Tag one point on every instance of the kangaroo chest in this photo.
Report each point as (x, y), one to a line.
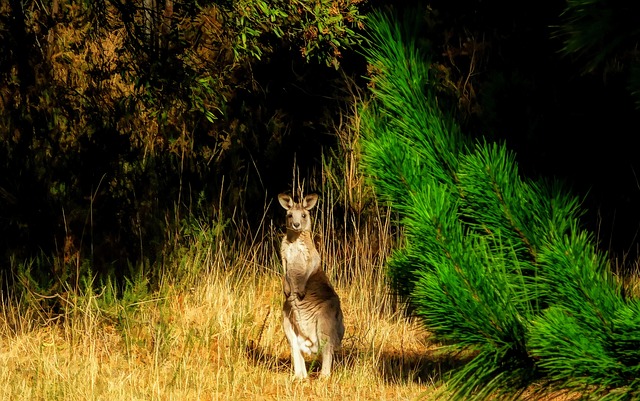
(298, 253)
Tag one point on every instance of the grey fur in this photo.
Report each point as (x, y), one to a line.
(312, 317)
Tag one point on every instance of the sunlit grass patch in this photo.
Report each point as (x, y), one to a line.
(215, 334)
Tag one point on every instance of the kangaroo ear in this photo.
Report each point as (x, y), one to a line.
(285, 201)
(309, 201)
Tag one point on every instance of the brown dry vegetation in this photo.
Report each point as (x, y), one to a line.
(211, 329)
(216, 334)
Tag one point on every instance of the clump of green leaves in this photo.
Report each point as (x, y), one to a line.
(319, 29)
(603, 36)
(115, 113)
(494, 263)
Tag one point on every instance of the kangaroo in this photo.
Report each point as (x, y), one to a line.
(312, 318)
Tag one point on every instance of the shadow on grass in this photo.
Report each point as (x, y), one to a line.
(278, 364)
(429, 366)
(259, 356)
(420, 367)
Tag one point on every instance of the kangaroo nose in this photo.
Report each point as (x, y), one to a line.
(296, 224)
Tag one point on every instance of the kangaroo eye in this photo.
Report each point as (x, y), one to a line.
(304, 215)
(289, 215)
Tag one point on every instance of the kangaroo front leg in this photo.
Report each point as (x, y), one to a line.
(298, 283)
(286, 287)
(314, 265)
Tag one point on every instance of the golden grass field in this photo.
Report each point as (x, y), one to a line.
(215, 334)
(212, 331)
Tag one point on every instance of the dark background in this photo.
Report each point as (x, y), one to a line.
(516, 86)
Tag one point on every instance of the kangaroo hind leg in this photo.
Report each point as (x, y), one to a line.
(299, 365)
(327, 359)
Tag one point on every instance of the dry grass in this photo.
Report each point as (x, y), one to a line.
(212, 331)
(216, 334)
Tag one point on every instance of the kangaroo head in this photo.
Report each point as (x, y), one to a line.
(298, 218)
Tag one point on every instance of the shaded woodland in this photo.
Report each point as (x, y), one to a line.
(126, 126)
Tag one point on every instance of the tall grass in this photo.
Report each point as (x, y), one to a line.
(218, 338)
(209, 326)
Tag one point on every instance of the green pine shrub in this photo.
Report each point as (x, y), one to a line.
(494, 263)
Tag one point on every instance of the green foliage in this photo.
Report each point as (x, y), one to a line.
(493, 263)
(589, 338)
(114, 113)
(590, 351)
(468, 294)
(319, 29)
(601, 33)
(603, 36)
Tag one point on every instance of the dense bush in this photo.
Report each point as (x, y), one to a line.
(494, 263)
(119, 118)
